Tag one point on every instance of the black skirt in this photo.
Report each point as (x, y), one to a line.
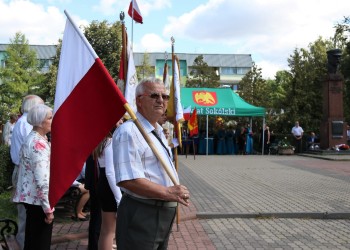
(105, 194)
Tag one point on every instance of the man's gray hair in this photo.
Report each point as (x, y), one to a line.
(30, 101)
(37, 114)
(140, 89)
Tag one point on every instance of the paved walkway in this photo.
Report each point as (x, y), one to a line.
(254, 202)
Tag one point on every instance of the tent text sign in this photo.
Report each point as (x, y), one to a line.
(215, 111)
(221, 102)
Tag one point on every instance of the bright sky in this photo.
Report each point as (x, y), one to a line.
(269, 30)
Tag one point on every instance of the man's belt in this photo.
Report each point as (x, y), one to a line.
(153, 202)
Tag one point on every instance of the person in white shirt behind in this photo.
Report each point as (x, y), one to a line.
(20, 131)
(297, 132)
(8, 128)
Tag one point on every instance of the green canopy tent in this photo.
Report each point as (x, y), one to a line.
(218, 102)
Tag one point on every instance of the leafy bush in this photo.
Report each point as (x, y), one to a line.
(285, 144)
(6, 167)
(7, 207)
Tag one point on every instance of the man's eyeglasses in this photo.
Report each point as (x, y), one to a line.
(156, 96)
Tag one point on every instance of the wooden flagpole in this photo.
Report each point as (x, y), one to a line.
(124, 54)
(175, 122)
(132, 26)
(150, 143)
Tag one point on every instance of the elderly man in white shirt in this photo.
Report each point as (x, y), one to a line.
(297, 132)
(147, 209)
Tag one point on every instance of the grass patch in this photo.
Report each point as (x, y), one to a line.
(8, 209)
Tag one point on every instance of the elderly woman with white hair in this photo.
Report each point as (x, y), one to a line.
(33, 180)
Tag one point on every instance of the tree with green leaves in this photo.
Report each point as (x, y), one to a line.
(276, 94)
(252, 87)
(201, 75)
(303, 88)
(342, 41)
(145, 69)
(106, 40)
(21, 75)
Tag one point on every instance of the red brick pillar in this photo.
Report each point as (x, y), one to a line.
(333, 126)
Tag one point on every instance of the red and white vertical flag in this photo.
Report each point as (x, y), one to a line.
(134, 12)
(187, 113)
(88, 104)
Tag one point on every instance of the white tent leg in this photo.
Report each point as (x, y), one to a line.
(207, 138)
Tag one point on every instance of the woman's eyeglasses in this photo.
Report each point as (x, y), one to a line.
(157, 96)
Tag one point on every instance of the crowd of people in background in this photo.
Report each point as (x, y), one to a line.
(231, 138)
(234, 139)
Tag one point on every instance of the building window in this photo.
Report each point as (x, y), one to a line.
(160, 71)
(234, 71)
(2, 64)
(242, 71)
(228, 71)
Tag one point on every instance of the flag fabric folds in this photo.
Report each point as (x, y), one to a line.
(175, 110)
(131, 82)
(166, 79)
(121, 76)
(193, 123)
(178, 106)
(87, 105)
(134, 12)
(187, 113)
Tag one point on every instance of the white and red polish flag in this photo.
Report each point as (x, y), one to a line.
(134, 12)
(87, 105)
(187, 113)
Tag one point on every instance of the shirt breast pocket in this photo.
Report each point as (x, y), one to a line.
(152, 168)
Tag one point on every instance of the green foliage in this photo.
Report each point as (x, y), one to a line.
(303, 100)
(202, 76)
(145, 69)
(253, 88)
(7, 207)
(342, 35)
(345, 68)
(47, 86)
(20, 77)
(284, 143)
(6, 167)
(297, 94)
(106, 40)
